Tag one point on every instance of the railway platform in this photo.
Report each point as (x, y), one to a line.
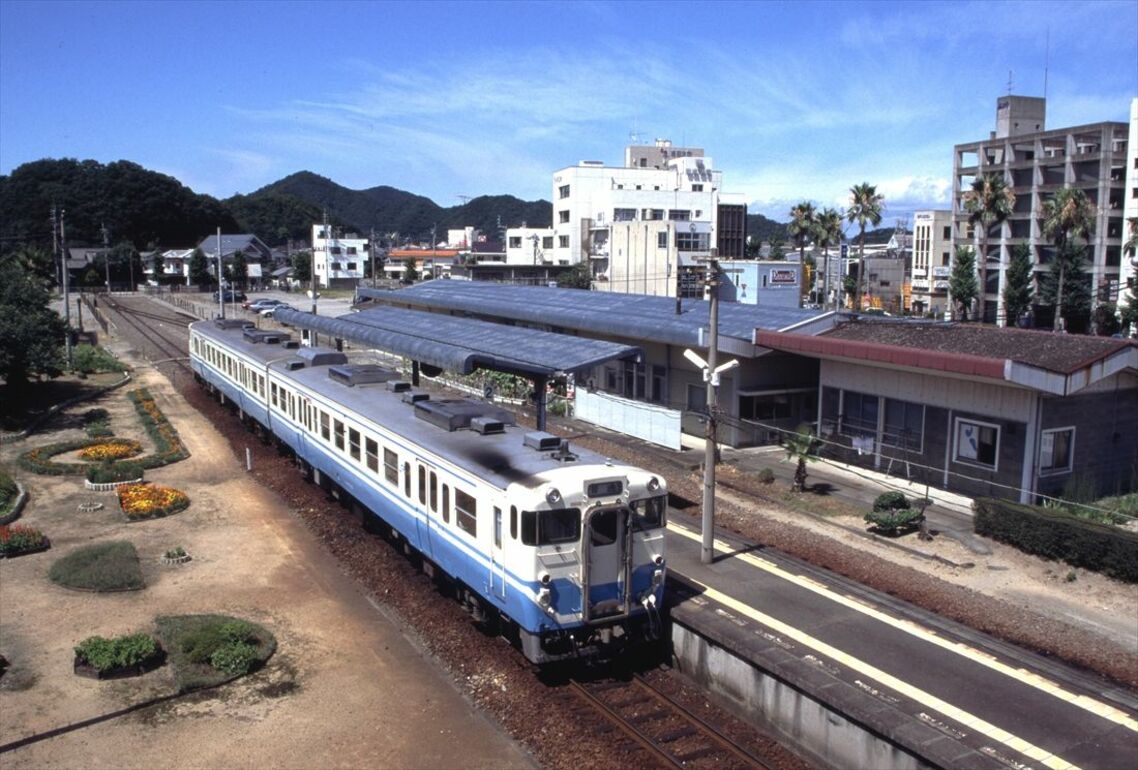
(855, 678)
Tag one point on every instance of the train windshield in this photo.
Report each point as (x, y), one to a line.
(648, 513)
(562, 525)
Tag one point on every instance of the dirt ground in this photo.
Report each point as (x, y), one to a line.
(309, 707)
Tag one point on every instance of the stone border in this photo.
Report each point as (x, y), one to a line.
(108, 486)
(175, 560)
(17, 506)
(90, 507)
(11, 438)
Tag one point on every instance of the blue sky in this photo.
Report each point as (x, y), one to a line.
(792, 100)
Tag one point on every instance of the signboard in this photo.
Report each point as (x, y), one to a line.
(783, 277)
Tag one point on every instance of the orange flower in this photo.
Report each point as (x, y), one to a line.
(115, 449)
(142, 500)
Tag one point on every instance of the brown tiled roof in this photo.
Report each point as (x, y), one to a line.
(1063, 353)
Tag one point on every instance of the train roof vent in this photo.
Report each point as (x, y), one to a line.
(294, 364)
(291, 344)
(360, 374)
(398, 386)
(321, 356)
(265, 336)
(231, 323)
(415, 396)
(487, 425)
(542, 441)
(455, 413)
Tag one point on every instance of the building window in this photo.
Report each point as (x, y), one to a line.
(976, 443)
(335, 265)
(391, 467)
(697, 188)
(515, 241)
(334, 250)
(623, 215)
(351, 250)
(662, 239)
(351, 265)
(947, 234)
(697, 399)
(547, 242)
(679, 215)
(1055, 453)
(563, 241)
(859, 414)
(563, 217)
(563, 191)
(904, 425)
(466, 512)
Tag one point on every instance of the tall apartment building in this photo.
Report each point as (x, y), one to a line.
(1128, 277)
(644, 225)
(338, 261)
(932, 257)
(1036, 162)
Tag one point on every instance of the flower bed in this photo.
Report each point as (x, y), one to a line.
(110, 450)
(123, 656)
(17, 540)
(147, 501)
(168, 444)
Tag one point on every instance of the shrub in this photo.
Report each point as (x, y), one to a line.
(89, 359)
(1057, 534)
(766, 476)
(206, 650)
(105, 473)
(895, 521)
(121, 652)
(18, 538)
(8, 491)
(891, 501)
(176, 553)
(109, 566)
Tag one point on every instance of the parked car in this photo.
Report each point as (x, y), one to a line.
(229, 296)
(257, 305)
(268, 312)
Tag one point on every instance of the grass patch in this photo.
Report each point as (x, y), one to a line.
(112, 566)
(8, 492)
(207, 650)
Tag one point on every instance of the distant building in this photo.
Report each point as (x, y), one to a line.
(1036, 162)
(932, 259)
(257, 254)
(644, 226)
(1128, 275)
(762, 283)
(339, 260)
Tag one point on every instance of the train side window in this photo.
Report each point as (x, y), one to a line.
(434, 492)
(446, 503)
(407, 480)
(466, 512)
(562, 525)
(325, 426)
(391, 467)
(648, 514)
(273, 394)
(513, 522)
(354, 443)
(372, 451)
(422, 485)
(338, 432)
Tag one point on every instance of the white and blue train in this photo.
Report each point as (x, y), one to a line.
(564, 548)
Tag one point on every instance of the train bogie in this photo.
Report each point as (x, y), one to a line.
(563, 549)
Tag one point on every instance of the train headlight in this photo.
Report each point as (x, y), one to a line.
(657, 578)
(545, 578)
(553, 496)
(653, 484)
(545, 598)
(658, 561)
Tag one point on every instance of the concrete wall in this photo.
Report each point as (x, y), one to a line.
(649, 422)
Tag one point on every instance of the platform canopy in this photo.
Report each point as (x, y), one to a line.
(463, 345)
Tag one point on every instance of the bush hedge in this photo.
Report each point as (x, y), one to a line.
(89, 359)
(105, 655)
(105, 473)
(1056, 534)
(891, 501)
(109, 566)
(8, 491)
(206, 650)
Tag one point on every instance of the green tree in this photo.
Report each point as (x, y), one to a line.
(239, 269)
(799, 446)
(829, 234)
(302, 266)
(1066, 286)
(579, 277)
(988, 203)
(1067, 215)
(159, 267)
(1128, 310)
(866, 207)
(410, 274)
(962, 285)
(200, 274)
(31, 334)
(803, 223)
(1018, 284)
(776, 253)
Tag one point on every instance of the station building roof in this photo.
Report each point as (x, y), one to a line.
(631, 316)
(463, 344)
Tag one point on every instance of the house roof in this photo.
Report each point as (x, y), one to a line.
(634, 316)
(231, 244)
(1041, 360)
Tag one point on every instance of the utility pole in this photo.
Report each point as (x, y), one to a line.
(66, 285)
(707, 551)
(371, 254)
(220, 291)
(676, 244)
(107, 256)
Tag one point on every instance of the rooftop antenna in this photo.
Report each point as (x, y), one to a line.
(464, 198)
(1010, 82)
(1046, 61)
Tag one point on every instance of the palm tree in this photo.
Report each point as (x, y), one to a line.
(1067, 215)
(803, 223)
(829, 233)
(866, 206)
(800, 446)
(989, 202)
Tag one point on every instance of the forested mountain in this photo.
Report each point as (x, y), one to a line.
(135, 204)
(762, 229)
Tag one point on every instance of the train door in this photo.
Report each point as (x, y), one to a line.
(497, 562)
(428, 499)
(608, 562)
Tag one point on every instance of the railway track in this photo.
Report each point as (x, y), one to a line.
(163, 344)
(672, 734)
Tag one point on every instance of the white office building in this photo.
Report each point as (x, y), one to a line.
(337, 260)
(932, 261)
(1128, 274)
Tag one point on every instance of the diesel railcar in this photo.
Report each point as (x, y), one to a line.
(561, 546)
